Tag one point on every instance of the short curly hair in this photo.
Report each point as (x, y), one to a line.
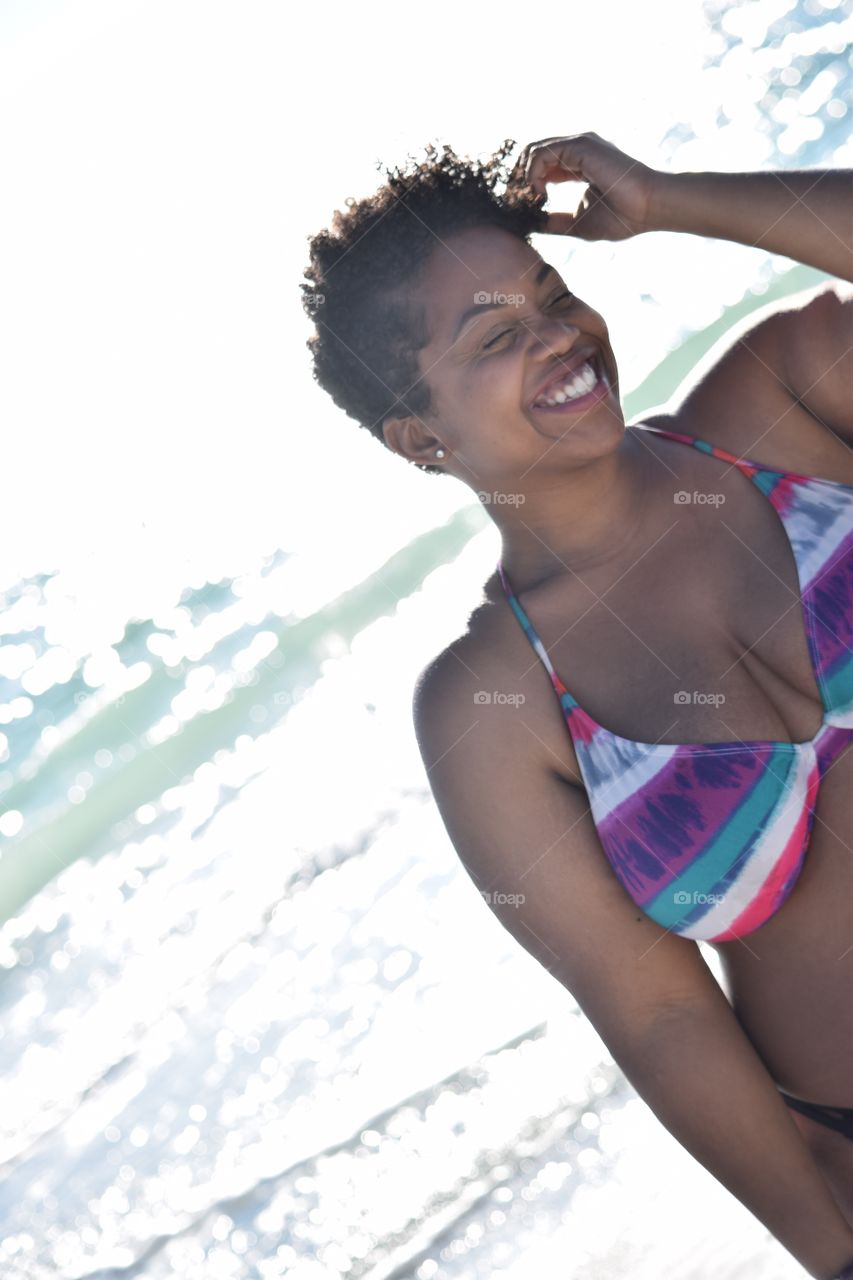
(363, 270)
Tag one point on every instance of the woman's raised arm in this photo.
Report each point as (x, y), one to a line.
(805, 214)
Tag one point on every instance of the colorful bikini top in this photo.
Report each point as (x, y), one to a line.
(709, 838)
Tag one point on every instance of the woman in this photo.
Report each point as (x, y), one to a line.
(703, 626)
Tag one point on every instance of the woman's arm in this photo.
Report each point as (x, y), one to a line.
(703, 1079)
(806, 214)
(527, 840)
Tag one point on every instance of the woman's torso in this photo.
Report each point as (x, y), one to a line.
(717, 610)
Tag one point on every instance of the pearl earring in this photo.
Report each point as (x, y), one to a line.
(439, 453)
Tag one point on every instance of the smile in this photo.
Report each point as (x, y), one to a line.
(581, 388)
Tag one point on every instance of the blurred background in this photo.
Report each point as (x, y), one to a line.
(255, 1020)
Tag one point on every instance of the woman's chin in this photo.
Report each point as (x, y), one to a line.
(598, 420)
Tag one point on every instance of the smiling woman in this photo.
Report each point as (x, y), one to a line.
(364, 275)
(494, 370)
(614, 851)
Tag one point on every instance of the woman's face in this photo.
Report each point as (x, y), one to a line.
(485, 366)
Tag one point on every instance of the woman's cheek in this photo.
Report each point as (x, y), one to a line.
(499, 377)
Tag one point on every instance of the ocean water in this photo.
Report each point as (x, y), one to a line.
(254, 1020)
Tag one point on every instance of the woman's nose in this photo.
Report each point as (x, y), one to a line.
(549, 335)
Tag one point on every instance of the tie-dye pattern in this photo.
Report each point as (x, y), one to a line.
(709, 838)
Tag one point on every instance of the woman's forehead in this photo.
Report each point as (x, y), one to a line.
(469, 257)
(473, 268)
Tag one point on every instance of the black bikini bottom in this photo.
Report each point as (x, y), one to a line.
(838, 1118)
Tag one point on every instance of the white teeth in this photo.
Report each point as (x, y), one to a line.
(581, 382)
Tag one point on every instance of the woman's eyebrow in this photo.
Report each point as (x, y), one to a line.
(480, 308)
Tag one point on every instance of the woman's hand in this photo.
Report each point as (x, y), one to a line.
(617, 202)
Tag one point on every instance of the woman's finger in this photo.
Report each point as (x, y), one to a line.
(619, 188)
(522, 165)
(560, 224)
(544, 142)
(556, 160)
(521, 172)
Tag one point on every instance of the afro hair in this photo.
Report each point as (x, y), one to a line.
(365, 268)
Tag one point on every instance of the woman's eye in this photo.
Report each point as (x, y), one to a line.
(560, 298)
(503, 334)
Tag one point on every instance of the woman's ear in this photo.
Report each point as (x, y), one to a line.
(412, 439)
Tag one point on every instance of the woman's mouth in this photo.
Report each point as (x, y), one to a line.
(581, 389)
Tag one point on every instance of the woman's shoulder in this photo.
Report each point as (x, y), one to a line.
(488, 687)
(737, 398)
(478, 654)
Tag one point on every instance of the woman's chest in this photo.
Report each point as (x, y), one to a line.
(707, 639)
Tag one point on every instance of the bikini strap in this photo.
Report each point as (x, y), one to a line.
(566, 699)
(716, 450)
